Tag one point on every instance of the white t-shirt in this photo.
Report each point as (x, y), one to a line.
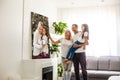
(45, 42)
(78, 37)
(65, 46)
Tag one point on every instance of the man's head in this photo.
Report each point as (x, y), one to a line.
(75, 28)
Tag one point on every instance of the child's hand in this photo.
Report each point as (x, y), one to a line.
(84, 47)
(76, 45)
(44, 54)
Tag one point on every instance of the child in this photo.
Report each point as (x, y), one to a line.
(84, 34)
(44, 39)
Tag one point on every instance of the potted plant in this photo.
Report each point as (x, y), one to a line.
(59, 29)
(54, 49)
(60, 71)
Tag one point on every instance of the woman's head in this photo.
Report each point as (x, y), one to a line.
(85, 28)
(68, 34)
(40, 27)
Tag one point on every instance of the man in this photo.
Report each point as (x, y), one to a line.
(79, 55)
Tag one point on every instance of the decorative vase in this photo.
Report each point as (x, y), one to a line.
(60, 78)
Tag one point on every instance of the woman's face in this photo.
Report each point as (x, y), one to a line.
(67, 34)
(44, 31)
(40, 30)
(83, 28)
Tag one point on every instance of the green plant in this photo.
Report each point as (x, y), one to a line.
(60, 70)
(59, 27)
(54, 48)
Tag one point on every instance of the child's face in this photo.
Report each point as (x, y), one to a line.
(83, 28)
(44, 31)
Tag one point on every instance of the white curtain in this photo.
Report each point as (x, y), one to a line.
(102, 21)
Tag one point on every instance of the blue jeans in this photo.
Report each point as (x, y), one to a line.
(72, 50)
(67, 69)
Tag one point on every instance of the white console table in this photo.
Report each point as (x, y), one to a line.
(32, 68)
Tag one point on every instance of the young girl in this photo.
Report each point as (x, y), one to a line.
(44, 40)
(72, 49)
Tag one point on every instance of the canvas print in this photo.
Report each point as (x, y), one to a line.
(40, 40)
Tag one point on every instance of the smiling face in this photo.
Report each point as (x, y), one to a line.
(40, 29)
(83, 28)
(75, 28)
(67, 34)
(44, 31)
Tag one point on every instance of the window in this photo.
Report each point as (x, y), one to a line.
(102, 23)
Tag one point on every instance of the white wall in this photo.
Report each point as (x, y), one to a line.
(43, 7)
(10, 37)
(11, 32)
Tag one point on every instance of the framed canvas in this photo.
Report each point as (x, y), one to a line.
(40, 40)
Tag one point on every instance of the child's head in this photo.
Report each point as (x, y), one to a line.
(85, 28)
(44, 31)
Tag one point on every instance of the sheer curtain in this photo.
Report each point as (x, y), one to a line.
(102, 25)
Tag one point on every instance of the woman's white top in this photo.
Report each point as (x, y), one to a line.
(45, 42)
(78, 37)
(37, 43)
(65, 46)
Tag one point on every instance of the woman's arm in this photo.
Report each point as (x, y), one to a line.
(55, 42)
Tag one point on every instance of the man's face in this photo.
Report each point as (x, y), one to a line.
(74, 29)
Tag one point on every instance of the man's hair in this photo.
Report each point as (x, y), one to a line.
(75, 25)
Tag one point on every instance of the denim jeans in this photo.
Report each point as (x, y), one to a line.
(67, 69)
(72, 50)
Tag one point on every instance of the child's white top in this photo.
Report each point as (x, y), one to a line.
(78, 37)
(45, 42)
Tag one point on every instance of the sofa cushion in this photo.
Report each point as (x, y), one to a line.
(92, 63)
(103, 63)
(115, 63)
(102, 74)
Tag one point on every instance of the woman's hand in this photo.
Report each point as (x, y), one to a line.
(76, 45)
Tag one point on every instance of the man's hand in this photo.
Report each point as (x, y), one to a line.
(76, 45)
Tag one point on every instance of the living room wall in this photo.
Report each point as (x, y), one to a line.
(44, 7)
(14, 37)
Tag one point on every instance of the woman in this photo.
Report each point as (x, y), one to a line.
(79, 55)
(65, 45)
(37, 44)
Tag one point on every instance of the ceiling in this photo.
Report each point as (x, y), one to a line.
(84, 3)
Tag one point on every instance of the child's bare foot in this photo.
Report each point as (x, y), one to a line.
(65, 60)
(68, 62)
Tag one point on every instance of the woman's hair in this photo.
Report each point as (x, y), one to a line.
(40, 24)
(86, 30)
(69, 33)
